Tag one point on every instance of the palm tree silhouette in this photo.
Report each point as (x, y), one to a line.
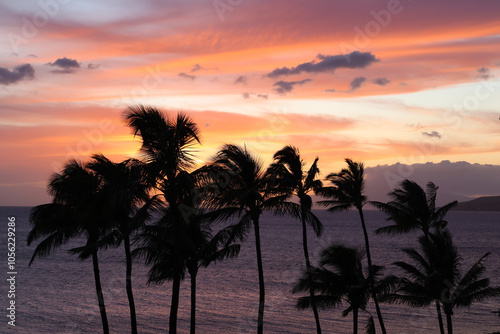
(412, 208)
(171, 249)
(345, 281)
(435, 277)
(289, 176)
(207, 249)
(167, 150)
(346, 193)
(244, 194)
(76, 209)
(125, 190)
(163, 248)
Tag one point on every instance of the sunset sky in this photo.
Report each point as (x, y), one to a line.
(376, 81)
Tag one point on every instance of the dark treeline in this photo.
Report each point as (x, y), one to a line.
(164, 212)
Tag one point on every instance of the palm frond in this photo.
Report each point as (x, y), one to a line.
(321, 301)
(314, 222)
(474, 272)
(46, 246)
(370, 326)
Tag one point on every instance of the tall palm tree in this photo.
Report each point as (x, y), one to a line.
(289, 176)
(167, 148)
(346, 192)
(245, 195)
(412, 208)
(340, 278)
(125, 191)
(76, 209)
(435, 277)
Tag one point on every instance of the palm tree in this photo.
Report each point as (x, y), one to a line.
(125, 190)
(345, 281)
(167, 149)
(170, 249)
(76, 209)
(435, 277)
(289, 176)
(244, 195)
(207, 249)
(412, 208)
(346, 192)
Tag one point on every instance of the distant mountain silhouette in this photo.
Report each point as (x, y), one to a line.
(486, 203)
(459, 181)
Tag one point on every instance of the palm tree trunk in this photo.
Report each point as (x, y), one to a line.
(100, 297)
(193, 301)
(174, 306)
(355, 321)
(369, 258)
(262, 292)
(128, 283)
(308, 267)
(440, 317)
(448, 323)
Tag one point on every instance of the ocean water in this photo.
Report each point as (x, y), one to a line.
(56, 294)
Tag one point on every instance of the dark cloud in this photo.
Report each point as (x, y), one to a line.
(196, 67)
(283, 87)
(330, 90)
(247, 95)
(187, 76)
(432, 134)
(91, 66)
(484, 73)
(356, 83)
(381, 81)
(242, 79)
(65, 65)
(354, 59)
(32, 55)
(21, 72)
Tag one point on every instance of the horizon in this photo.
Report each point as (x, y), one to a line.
(380, 82)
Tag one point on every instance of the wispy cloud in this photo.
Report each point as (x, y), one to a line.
(356, 83)
(21, 72)
(432, 134)
(322, 63)
(283, 87)
(483, 73)
(91, 66)
(242, 79)
(196, 67)
(247, 95)
(381, 81)
(187, 76)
